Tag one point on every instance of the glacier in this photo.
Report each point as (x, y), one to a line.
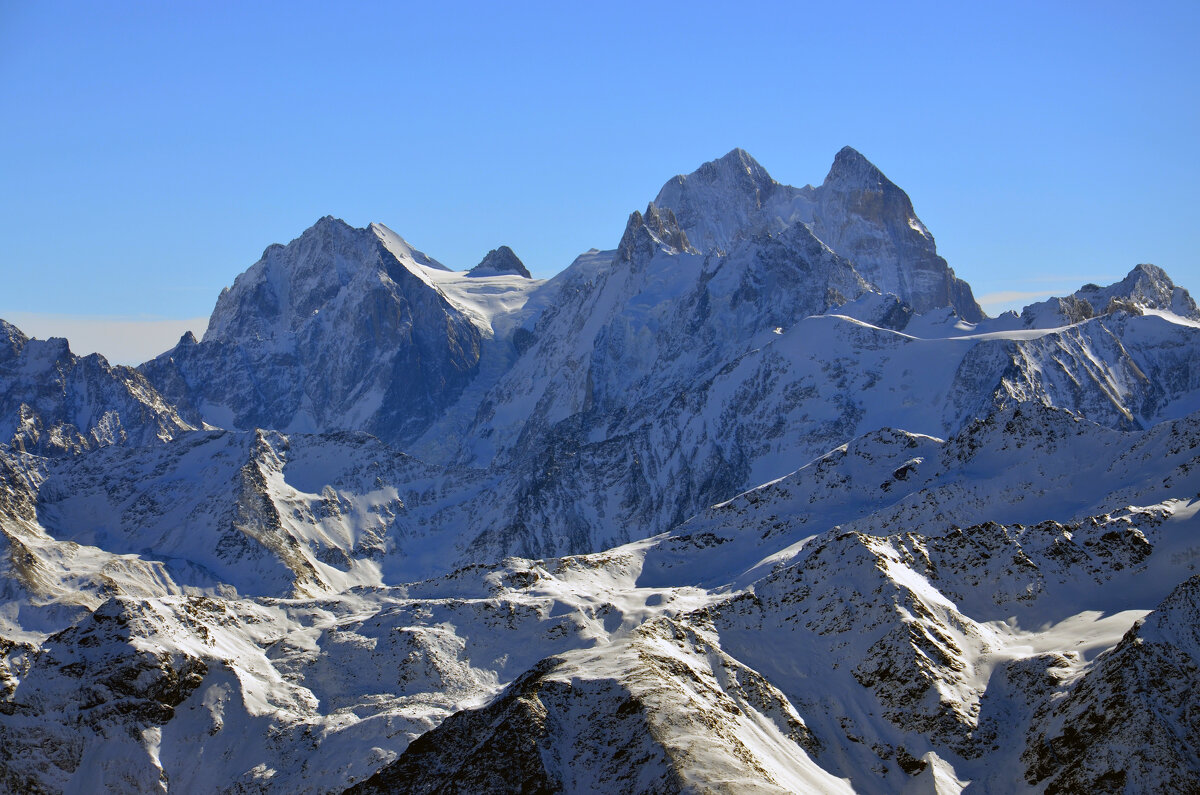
(757, 500)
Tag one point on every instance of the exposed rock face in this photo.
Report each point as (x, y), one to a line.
(646, 234)
(1131, 723)
(862, 215)
(334, 330)
(499, 261)
(780, 532)
(53, 402)
(857, 212)
(725, 199)
(1145, 287)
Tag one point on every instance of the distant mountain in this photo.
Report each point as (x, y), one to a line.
(857, 212)
(277, 351)
(755, 501)
(53, 402)
(663, 379)
(500, 261)
(1146, 287)
(342, 328)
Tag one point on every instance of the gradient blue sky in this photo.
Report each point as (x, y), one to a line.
(150, 151)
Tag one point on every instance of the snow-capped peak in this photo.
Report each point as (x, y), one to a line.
(500, 261)
(1146, 287)
(720, 201)
(402, 250)
(851, 168)
(857, 212)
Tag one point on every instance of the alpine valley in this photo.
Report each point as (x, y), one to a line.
(758, 500)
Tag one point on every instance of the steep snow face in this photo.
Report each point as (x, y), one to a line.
(656, 391)
(857, 212)
(1145, 288)
(658, 313)
(342, 328)
(683, 316)
(53, 402)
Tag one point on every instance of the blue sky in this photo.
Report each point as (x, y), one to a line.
(150, 151)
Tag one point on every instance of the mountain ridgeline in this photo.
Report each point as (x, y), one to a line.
(344, 329)
(757, 500)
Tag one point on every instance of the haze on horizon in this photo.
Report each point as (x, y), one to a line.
(153, 152)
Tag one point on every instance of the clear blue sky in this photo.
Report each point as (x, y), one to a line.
(150, 151)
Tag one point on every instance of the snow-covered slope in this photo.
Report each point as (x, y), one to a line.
(53, 402)
(755, 501)
(857, 212)
(1130, 721)
(342, 328)
(900, 607)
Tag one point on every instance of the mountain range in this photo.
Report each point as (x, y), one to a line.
(757, 500)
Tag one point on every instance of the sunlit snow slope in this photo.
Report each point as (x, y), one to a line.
(755, 501)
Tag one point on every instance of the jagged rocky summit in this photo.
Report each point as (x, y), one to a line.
(857, 212)
(1145, 287)
(275, 353)
(756, 501)
(342, 328)
(53, 402)
(500, 261)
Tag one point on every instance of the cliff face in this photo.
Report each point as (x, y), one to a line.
(334, 330)
(705, 512)
(857, 212)
(53, 402)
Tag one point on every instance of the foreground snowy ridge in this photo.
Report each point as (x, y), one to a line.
(756, 501)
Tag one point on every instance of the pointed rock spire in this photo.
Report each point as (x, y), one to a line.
(500, 262)
(864, 216)
(851, 168)
(720, 201)
(655, 229)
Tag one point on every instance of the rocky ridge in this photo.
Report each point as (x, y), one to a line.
(604, 564)
(500, 261)
(334, 330)
(53, 402)
(1145, 287)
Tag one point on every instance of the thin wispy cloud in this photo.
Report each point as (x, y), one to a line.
(1078, 281)
(1004, 300)
(999, 301)
(122, 339)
